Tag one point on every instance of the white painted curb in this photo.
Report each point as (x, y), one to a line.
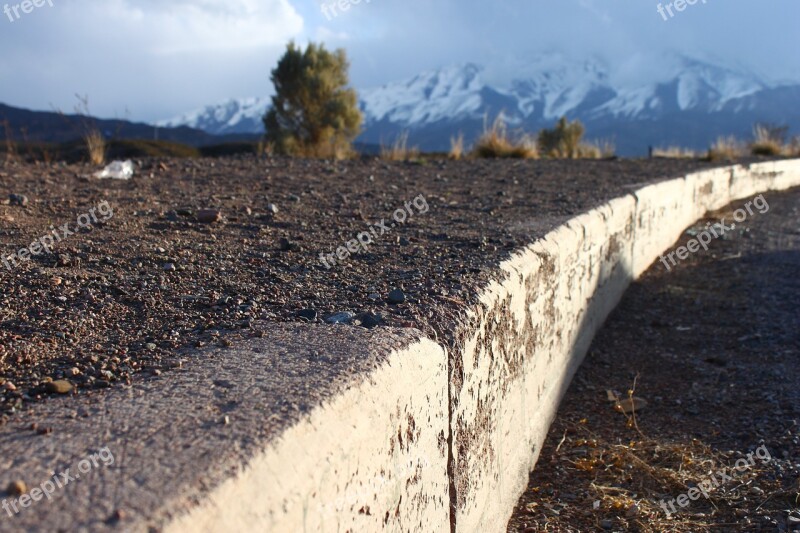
(520, 347)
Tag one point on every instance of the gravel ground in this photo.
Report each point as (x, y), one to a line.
(150, 275)
(713, 347)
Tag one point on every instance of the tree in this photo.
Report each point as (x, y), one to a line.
(313, 112)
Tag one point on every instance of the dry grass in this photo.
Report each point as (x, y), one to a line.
(11, 146)
(457, 147)
(630, 480)
(95, 146)
(600, 149)
(794, 147)
(726, 149)
(495, 142)
(676, 152)
(399, 150)
(768, 140)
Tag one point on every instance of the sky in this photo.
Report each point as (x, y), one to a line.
(146, 60)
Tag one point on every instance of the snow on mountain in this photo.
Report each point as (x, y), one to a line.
(427, 97)
(231, 116)
(436, 104)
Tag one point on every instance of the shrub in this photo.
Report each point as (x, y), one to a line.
(726, 149)
(496, 143)
(313, 112)
(399, 150)
(563, 141)
(768, 139)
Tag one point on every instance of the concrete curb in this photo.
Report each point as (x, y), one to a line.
(518, 350)
(340, 429)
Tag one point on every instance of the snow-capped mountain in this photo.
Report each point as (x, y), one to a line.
(691, 104)
(232, 116)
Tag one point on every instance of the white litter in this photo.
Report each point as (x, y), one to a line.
(118, 170)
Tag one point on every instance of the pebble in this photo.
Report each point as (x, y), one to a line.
(18, 199)
(340, 318)
(169, 267)
(286, 245)
(308, 314)
(150, 346)
(60, 386)
(294, 198)
(397, 297)
(209, 216)
(370, 320)
(9, 386)
(17, 488)
(272, 208)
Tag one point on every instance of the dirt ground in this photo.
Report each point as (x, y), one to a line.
(713, 347)
(138, 279)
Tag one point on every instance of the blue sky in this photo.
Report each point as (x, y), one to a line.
(152, 59)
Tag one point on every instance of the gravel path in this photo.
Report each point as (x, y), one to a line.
(713, 347)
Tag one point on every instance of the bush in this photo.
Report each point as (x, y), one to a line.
(563, 141)
(313, 112)
(768, 139)
(496, 143)
(726, 149)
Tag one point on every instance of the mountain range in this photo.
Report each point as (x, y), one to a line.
(694, 102)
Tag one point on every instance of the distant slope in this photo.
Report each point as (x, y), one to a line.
(45, 126)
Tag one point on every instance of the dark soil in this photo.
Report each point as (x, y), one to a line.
(714, 348)
(136, 293)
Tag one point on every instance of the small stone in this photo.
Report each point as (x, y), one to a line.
(340, 318)
(18, 199)
(607, 524)
(630, 405)
(293, 198)
(374, 296)
(397, 297)
(56, 281)
(370, 320)
(17, 488)
(209, 216)
(286, 245)
(9, 386)
(272, 209)
(150, 346)
(169, 267)
(60, 386)
(308, 314)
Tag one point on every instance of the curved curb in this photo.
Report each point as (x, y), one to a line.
(341, 429)
(519, 348)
